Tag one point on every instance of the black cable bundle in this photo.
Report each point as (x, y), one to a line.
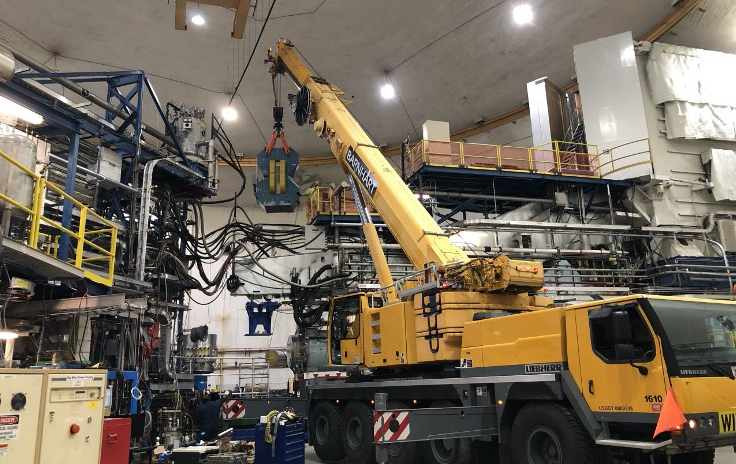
(301, 296)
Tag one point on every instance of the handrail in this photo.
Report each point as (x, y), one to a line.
(320, 204)
(613, 159)
(549, 158)
(37, 217)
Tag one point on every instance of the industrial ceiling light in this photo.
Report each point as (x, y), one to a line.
(229, 113)
(523, 14)
(21, 112)
(387, 91)
(198, 19)
(8, 335)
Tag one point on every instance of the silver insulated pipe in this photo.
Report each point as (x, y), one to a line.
(7, 65)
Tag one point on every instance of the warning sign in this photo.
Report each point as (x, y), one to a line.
(233, 409)
(9, 427)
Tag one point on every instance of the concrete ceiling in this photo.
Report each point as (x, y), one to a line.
(452, 61)
(711, 26)
(449, 60)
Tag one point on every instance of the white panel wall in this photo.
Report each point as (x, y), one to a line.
(613, 108)
(678, 196)
(226, 316)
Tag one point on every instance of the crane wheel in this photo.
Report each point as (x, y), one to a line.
(549, 433)
(403, 453)
(356, 433)
(450, 451)
(324, 431)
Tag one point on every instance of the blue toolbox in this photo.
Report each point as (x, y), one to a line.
(288, 446)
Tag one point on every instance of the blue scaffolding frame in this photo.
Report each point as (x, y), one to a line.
(125, 135)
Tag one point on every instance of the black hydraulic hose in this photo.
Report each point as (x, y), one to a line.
(304, 318)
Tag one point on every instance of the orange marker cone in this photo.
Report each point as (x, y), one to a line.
(671, 416)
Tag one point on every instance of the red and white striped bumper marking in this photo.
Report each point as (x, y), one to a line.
(232, 409)
(391, 426)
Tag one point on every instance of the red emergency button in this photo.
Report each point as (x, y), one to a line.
(74, 429)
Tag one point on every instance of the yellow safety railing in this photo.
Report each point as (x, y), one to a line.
(626, 156)
(326, 201)
(95, 253)
(319, 202)
(50, 244)
(551, 158)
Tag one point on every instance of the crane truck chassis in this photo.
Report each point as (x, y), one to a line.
(559, 385)
(465, 361)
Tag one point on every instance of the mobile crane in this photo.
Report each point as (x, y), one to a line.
(463, 362)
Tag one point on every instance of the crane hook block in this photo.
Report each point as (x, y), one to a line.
(275, 188)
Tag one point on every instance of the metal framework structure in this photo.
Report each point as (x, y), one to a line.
(76, 129)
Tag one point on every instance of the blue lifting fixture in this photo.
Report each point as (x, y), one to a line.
(260, 314)
(274, 184)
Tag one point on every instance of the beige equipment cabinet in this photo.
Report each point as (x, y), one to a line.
(51, 415)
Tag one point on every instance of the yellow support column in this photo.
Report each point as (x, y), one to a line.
(80, 238)
(113, 248)
(37, 212)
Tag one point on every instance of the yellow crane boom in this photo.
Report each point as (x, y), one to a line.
(420, 237)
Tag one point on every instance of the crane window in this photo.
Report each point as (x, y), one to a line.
(345, 323)
(604, 337)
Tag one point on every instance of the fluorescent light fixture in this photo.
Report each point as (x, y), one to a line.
(198, 19)
(229, 114)
(7, 335)
(20, 112)
(523, 14)
(388, 92)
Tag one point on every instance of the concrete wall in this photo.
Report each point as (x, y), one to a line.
(514, 134)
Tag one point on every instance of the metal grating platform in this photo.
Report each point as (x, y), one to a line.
(38, 262)
(331, 219)
(503, 182)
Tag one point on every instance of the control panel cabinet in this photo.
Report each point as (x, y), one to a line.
(51, 415)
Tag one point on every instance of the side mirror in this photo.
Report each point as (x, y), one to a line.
(624, 351)
(621, 322)
(627, 352)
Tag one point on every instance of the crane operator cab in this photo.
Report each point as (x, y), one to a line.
(345, 329)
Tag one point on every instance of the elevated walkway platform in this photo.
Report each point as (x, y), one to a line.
(37, 264)
(328, 205)
(470, 166)
(470, 177)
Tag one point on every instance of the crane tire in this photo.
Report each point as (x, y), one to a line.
(550, 432)
(450, 451)
(356, 433)
(324, 431)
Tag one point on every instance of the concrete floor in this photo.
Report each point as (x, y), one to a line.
(723, 456)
